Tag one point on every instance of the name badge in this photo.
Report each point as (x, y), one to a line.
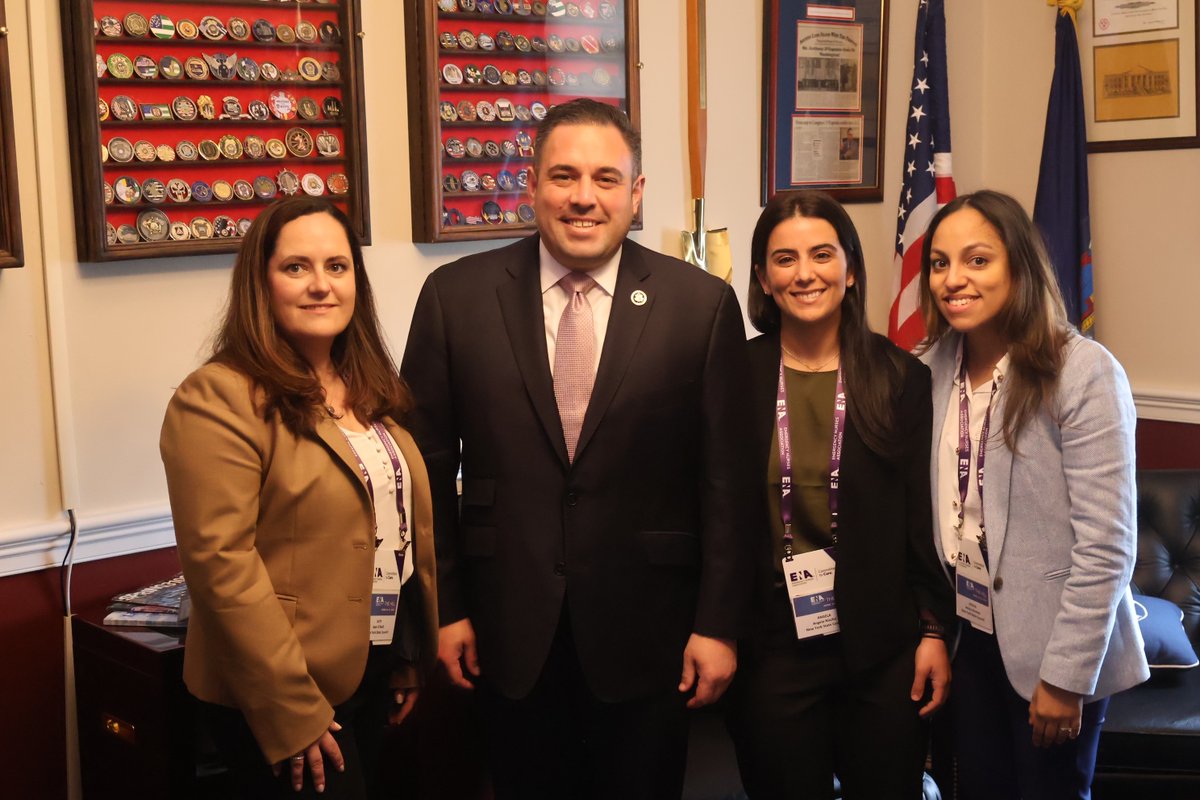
(973, 586)
(385, 594)
(809, 578)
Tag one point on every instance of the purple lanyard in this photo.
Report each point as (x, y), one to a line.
(964, 453)
(382, 433)
(785, 457)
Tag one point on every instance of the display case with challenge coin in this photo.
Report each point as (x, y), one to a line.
(494, 69)
(191, 116)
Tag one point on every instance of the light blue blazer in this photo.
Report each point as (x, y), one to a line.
(1061, 526)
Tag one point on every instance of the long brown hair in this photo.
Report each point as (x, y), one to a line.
(1033, 320)
(250, 341)
(871, 373)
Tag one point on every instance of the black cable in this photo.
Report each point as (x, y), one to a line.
(63, 578)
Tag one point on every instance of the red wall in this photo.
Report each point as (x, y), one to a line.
(31, 643)
(32, 697)
(1167, 445)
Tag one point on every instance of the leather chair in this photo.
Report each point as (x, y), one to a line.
(1150, 744)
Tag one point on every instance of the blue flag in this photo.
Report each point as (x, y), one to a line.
(1061, 208)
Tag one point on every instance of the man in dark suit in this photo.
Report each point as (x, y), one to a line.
(595, 577)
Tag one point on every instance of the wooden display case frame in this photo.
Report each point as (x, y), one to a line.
(81, 43)
(433, 201)
(12, 253)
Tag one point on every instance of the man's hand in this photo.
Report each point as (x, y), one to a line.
(1054, 714)
(708, 664)
(932, 665)
(456, 649)
(403, 701)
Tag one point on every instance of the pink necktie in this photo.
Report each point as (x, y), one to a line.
(574, 358)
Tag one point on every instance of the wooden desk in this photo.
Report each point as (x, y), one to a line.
(136, 731)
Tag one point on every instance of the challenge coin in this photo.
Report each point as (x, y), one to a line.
(312, 184)
(170, 68)
(127, 234)
(165, 152)
(212, 28)
(276, 148)
(328, 145)
(201, 227)
(255, 147)
(110, 26)
(127, 189)
(186, 150)
(136, 25)
(144, 151)
(178, 190)
(309, 68)
(259, 111)
(153, 225)
(145, 67)
(162, 26)
(120, 66)
(120, 149)
(306, 31)
(263, 30)
(450, 73)
(239, 29)
(187, 29)
(265, 188)
(288, 182)
(201, 192)
(180, 232)
(299, 142)
(153, 191)
(283, 104)
(222, 190)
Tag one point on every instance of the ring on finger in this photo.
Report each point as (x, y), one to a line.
(296, 759)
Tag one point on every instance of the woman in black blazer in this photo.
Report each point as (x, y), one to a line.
(850, 651)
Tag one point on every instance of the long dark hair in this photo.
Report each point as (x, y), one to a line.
(1033, 320)
(870, 365)
(249, 339)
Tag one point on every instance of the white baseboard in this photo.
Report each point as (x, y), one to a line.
(43, 545)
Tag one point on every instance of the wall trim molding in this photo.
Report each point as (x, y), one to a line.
(42, 545)
(1167, 406)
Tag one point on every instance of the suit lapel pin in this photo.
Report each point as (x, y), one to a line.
(638, 297)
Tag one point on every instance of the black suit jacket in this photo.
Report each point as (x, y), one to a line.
(644, 535)
(887, 568)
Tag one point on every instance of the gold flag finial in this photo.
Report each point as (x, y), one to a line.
(1067, 7)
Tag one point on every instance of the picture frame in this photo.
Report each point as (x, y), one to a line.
(482, 74)
(824, 104)
(188, 117)
(12, 252)
(1141, 76)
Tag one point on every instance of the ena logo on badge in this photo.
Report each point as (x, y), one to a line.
(800, 575)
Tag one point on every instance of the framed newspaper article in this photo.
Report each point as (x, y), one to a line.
(824, 69)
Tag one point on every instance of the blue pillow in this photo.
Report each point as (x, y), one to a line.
(1167, 645)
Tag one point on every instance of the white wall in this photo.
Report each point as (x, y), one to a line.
(124, 334)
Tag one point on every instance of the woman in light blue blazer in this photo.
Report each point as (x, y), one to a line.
(1037, 528)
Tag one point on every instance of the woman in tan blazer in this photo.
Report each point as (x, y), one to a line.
(302, 517)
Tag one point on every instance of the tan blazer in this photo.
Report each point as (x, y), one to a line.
(275, 534)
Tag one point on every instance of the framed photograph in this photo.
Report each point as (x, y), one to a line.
(189, 118)
(823, 106)
(1140, 75)
(482, 75)
(11, 252)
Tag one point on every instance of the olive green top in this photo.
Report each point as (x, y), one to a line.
(810, 398)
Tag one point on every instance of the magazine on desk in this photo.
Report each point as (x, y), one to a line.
(163, 604)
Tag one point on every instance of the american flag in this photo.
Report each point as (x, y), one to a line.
(928, 180)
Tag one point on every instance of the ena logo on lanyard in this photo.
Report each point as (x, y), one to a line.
(810, 576)
(973, 596)
(388, 572)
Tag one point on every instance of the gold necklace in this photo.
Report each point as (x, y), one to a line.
(808, 366)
